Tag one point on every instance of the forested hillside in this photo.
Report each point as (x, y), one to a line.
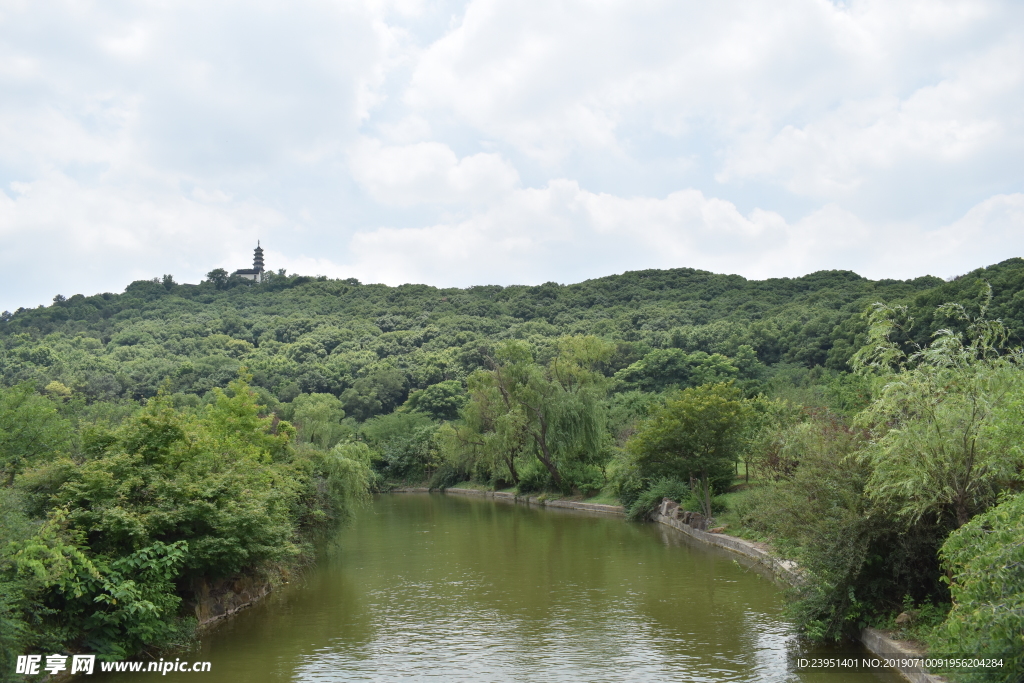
(372, 344)
(175, 433)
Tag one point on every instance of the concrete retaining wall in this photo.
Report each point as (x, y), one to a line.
(782, 569)
(887, 648)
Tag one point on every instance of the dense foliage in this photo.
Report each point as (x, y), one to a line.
(134, 460)
(371, 345)
(867, 509)
(102, 540)
(985, 557)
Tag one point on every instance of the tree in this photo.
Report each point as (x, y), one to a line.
(441, 401)
(318, 418)
(696, 436)
(31, 430)
(222, 480)
(665, 368)
(218, 277)
(490, 432)
(554, 411)
(404, 443)
(945, 423)
(766, 445)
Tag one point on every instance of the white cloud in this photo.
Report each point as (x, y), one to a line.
(965, 116)
(804, 94)
(58, 234)
(990, 232)
(567, 234)
(429, 173)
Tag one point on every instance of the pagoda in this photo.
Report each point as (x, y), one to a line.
(256, 272)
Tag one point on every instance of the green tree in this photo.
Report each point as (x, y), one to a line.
(318, 418)
(555, 411)
(984, 560)
(441, 401)
(218, 277)
(944, 422)
(490, 432)
(115, 607)
(404, 443)
(696, 436)
(31, 430)
(221, 480)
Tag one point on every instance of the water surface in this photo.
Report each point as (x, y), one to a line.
(433, 587)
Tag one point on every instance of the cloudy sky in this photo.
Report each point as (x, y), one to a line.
(505, 141)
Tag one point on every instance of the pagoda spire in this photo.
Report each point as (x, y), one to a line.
(257, 259)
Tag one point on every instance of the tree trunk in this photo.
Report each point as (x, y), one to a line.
(545, 454)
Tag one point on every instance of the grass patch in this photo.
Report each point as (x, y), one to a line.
(471, 485)
(735, 502)
(603, 498)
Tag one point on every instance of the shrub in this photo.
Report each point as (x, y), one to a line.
(535, 477)
(649, 500)
(984, 558)
(446, 476)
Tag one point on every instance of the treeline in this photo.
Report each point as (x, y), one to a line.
(135, 460)
(371, 344)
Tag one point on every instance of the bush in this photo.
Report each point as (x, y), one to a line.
(535, 477)
(446, 476)
(698, 434)
(649, 500)
(587, 479)
(984, 558)
(406, 443)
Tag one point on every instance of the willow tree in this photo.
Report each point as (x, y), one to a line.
(946, 418)
(520, 409)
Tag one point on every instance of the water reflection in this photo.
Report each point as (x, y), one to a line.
(456, 589)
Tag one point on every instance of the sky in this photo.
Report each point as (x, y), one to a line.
(459, 143)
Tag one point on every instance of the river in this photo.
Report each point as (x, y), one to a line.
(451, 588)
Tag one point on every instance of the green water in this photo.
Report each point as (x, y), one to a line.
(449, 588)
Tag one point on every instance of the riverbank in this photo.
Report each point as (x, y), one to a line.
(787, 571)
(540, 501)
(782, 570)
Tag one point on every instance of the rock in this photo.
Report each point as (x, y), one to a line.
(669, 507)
(218, 598)
(697, 521)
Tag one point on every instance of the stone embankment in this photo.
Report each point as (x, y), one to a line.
(692, 524)
(217, 599)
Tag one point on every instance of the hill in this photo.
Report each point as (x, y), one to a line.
(298, 334)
